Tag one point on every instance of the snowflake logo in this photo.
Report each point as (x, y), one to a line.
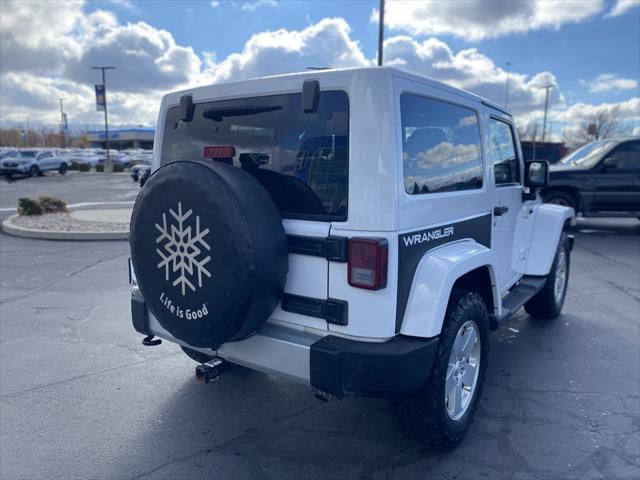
(181, 250)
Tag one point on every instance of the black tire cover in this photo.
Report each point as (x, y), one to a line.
(209, 251)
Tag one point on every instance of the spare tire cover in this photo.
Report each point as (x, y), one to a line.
(209, 251)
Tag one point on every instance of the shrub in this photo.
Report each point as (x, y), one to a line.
(99, 167)
(52, 204)
(29, 206)
(84, 167)
(118, 167)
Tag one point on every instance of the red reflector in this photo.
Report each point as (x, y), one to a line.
(225, 151)
(368, 260)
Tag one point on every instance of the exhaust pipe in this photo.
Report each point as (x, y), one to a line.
(210, 371)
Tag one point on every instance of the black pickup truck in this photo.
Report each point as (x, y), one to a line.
(602, 178)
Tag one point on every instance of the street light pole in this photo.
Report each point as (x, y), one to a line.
(506, 95)
(62, 137)
(546, 108)
(107, 164)
(380, 32)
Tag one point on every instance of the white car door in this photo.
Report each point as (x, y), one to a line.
(512, 220)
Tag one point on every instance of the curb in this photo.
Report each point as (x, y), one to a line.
(10, 228)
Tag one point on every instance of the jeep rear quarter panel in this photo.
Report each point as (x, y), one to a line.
(462, 217)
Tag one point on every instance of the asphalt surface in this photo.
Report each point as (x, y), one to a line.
(80, 397)
(74, 188)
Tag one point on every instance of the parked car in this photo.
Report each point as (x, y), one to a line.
(33, 162)
(7, 152)
(602, 178)
(144, 176)
(137, 171)
(374, 263)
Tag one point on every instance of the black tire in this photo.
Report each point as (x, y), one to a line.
(422, 415)
(63, 169)
(34, 171)
(545, 304)
(209, 251)
(196, 356)
(561, 197)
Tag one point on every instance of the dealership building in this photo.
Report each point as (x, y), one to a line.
(121, 139)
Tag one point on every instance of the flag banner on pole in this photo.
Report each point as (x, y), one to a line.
(100, 100)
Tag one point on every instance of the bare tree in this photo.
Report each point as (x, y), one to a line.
(530, 133)
(598, 126)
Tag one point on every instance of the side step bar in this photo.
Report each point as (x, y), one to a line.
(517, 297)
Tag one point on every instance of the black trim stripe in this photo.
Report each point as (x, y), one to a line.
(412, 246)
(335, 249)
(332, 310)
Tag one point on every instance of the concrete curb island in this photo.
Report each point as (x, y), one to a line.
(10, 227)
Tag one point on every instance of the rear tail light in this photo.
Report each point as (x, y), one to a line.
(368, 261)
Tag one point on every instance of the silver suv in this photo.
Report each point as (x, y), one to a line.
(33, 162)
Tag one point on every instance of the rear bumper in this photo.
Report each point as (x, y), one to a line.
(342, 367)
(333, 366)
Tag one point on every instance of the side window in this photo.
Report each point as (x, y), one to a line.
(440, 146)
(626, 157)
(503, 153)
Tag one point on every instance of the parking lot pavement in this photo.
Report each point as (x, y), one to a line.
(80, 397)
(73, 188)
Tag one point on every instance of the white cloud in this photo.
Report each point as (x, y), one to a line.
(52, 60)
(252, 6)
(215, 3)
(478, 19)
(608, 82)
(325, 44)
(622, 6)
(63, 40)
(626, 114)
(470, 70)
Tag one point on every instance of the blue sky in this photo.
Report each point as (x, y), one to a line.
(574, 52)
(589, 49)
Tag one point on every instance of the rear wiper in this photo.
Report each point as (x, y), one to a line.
(217, 114)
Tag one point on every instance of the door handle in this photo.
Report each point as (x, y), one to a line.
(501, 210)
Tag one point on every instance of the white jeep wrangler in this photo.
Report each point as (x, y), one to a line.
(358, 230)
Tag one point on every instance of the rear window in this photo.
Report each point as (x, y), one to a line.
(300, 158)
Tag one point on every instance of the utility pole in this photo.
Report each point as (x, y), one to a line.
(546, 108)
(107, 164)
(380, 32)
(506, 95)
(62, 137)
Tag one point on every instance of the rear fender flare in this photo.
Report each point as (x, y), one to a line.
(548, 223)
(433, 281)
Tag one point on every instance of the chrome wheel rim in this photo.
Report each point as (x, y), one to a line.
(462, 370)
(561, 276)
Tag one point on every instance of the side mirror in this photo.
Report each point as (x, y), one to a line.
(536, 174)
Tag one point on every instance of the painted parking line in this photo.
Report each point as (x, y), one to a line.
(82, 204)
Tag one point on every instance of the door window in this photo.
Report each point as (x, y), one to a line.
(503, 153)
(626, 158)
(440, 146)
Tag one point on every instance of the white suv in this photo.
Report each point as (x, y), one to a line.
(358, 230)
